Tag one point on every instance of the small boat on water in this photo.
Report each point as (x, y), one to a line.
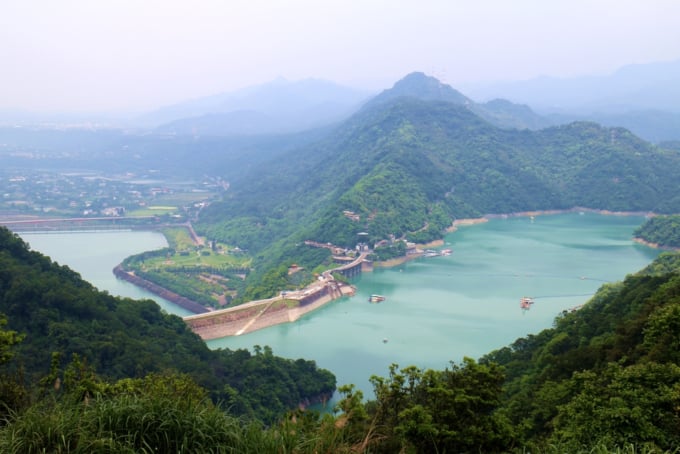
(525, 303)
(433, 253)
(376, 298)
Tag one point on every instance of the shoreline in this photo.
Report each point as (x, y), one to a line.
(157, 290)
(227, 322)
(463, 222)
(406, 258)
(654, 245)
(569, 210)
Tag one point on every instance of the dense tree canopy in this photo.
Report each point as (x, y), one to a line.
(408, 167)
(604, 377)
(54, 310)
(607, 373)
(661, 230)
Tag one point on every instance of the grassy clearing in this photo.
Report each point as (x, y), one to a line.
(178, 238)
(153, 211)
(188, 254)
(202, 257)
(182, 198)
(207, 274)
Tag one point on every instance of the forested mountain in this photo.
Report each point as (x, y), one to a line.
(642, 98)
(653, 125)
(506, 114)
(407, 167)
(664, 231)
(499, 112)
(608, 372)
(55, 311)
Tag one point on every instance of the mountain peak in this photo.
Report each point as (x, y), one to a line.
(418, 79)
(421, 86)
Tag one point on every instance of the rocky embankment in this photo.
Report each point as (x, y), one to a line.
(181, 301)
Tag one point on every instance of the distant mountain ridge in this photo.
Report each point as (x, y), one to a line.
(651, 86)
(644, 98)
(281, 107)
(277, 107)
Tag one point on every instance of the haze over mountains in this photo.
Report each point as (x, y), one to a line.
(275, 107)
(642, 98)
(632, 87)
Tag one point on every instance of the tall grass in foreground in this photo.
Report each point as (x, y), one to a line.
(146, 424)
(125, 423)
(142, 424)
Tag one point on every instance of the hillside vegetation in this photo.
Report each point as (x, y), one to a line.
(57, 313)
(663, 231)
(604, 378)
(608, 372)
(415, 159)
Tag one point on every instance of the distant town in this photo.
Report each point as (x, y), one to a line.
(30, 194)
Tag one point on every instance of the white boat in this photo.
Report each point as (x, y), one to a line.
(525, 302)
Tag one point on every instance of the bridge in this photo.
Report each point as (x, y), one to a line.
(351, 267)
(354, 267)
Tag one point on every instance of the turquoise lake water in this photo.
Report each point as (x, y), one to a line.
(94, 254)
(437, 309)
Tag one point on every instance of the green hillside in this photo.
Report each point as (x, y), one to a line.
(607, 373)
(604, 378)
(661, 230)
(408, 167)
(55, 311)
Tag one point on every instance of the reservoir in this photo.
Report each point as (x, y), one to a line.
(94, 254)
(437, 309)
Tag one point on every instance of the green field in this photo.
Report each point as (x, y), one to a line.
(181, 199)
(187, 254)
(209, 274)
(178, 238)
(153, 211)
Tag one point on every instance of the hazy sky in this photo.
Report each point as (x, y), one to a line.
(78, 55)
